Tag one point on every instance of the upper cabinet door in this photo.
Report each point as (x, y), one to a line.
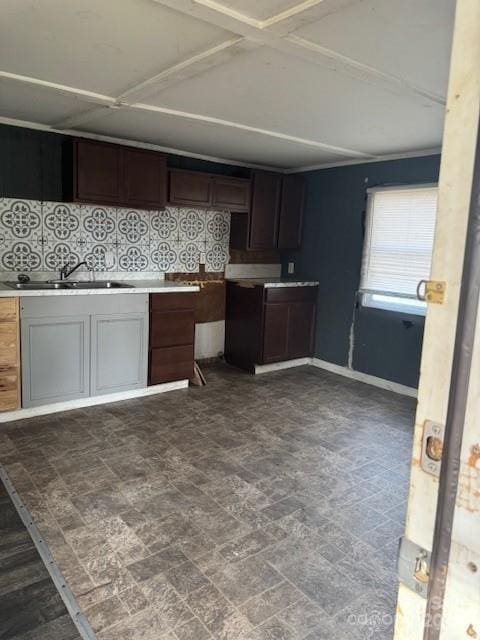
(291, 212)
(190, 187)
(264, 211)
(231, 193)
(97, 176)
(145, 178)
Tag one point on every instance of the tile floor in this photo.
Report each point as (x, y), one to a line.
(30, 606)
(260, 508)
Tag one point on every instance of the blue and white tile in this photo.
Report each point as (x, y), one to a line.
(133, 226)
(189, 254)
(20, 255)
(57, 254)
(133, 257)
(164, 225)
(99, 224)
(218, 227)
(21, 219)
(164, 256)
(191, 225)
(61, 222)
(216, 256)
(100, 257)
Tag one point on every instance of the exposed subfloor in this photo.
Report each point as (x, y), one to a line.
(30, 606)
(261, 508)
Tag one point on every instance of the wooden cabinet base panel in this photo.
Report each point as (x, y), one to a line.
(9, 355)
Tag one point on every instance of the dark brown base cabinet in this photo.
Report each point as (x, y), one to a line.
(172, 337)
(266, 325)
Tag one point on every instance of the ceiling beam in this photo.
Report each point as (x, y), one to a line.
(277, 32)
(187, 68)
(107, 105)
(352, 153)
(86, 96)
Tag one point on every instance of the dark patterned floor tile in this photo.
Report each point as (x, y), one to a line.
(273, 629)
(157, 563)
(246, 578)
(271, 602)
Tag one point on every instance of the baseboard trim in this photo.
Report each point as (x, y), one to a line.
(57, 407)
(278, 366)
(381, 383)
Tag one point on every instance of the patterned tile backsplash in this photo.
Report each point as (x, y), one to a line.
(43, 236)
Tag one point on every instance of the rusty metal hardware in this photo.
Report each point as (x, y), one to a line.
(432, 447)
(434, 291)
(414, 566)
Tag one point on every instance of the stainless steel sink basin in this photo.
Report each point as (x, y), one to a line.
(105, 284)
(35, 286)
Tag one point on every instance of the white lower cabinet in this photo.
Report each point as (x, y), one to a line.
(75, 347)
(118, 352)
(55, 359)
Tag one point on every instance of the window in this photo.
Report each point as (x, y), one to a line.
(398, 246)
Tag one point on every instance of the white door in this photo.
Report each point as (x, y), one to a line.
(461, 610)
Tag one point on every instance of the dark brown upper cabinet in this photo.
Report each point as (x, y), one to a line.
(232, 194)
(291, 212)
(264, 211)
(275, 215)
(145, 178)
(97, 176)
(190, 187)
(200, 189)
(114, 175)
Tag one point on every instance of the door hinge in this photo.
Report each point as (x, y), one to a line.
(432, 447)
(433, 291)
(414, 566)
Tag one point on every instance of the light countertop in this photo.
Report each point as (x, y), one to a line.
(270, 283)
(137, 286)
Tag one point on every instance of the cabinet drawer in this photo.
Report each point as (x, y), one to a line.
(172, 301)
(170, 363)
(8, 343)
(291, 294)
(171, 328)
(8, 309)
(9, 397)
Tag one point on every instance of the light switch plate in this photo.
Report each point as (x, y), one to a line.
(291, 267)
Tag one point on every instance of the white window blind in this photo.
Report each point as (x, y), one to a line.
(398, 242)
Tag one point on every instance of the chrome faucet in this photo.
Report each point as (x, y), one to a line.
(66, 272)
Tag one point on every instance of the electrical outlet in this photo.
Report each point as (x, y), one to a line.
(203, 257)
(109, 259)
(291, 267)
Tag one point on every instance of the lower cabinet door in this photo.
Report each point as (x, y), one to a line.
(275, 332)
(301, 323)
(55, 359)
(119, 348)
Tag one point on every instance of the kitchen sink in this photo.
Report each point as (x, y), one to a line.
(35, 286)
(105, 284)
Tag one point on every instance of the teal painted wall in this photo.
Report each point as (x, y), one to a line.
(386, 344)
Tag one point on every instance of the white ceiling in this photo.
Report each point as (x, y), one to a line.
(281, 83)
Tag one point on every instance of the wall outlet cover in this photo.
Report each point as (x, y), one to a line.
(291, 267)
